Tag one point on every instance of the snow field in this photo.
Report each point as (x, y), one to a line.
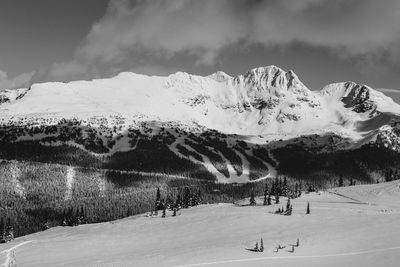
(340, 231)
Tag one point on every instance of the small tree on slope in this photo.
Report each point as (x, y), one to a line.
(265, 194)
(163, 213)
(277, 199)
(252, 199)
(269, 201)
(308, 208)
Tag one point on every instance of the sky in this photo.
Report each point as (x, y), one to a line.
(323, 41)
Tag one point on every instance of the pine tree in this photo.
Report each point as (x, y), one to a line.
(272, 191)
(158, 205)
(340, 181)
(186, 198)
(285, 189)
(297, 190)
(81, 218)
(288, 205)
(2, 225)
(280, 186)
(178, 202)
(163, 213)
(158, 195)
(256, 247)
(297, 242)
(308, 208)
(269, 200)
(265, 194)
(261, 245)
(174, 213)
(252, 199)
(277, 199)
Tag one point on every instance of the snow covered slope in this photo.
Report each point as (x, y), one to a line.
(351, 226)
(9, 96)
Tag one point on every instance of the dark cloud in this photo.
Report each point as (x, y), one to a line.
(134, 35)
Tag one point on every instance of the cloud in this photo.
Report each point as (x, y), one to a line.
(386, 90)
(19, 81)
(393, 93)
(135, 34)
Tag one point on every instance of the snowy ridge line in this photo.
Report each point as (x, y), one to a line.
(293, 257)
(265, 100)
(10, 254)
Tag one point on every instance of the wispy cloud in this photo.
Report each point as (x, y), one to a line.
(386, 90)
(133, 34)
(19, 81)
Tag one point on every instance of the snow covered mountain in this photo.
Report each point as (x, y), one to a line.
(265, 100)
(266, 105)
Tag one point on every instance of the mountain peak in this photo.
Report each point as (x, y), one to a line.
(360, 97)
(220, 76)
(267, 77)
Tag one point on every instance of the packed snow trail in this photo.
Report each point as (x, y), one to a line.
(10, 254)
(293, 257)
(18, 188)
(70, 182)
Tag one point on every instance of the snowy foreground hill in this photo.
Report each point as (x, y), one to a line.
(218, 127)
(348, 226)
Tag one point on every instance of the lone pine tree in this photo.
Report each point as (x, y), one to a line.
(158, 195)
(186, 198)
(163, 213)
(269, 201)
(308, 208)
(265, 194)
(277, 199)
(252, 199)
(340, 181)
(288, 204)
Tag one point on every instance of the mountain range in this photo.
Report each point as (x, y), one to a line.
(218, 127)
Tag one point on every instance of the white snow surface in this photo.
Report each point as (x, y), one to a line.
(349, 226)
(10, 95)
(264, 101)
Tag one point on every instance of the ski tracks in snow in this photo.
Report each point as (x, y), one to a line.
(292, 257)
(11, 256)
